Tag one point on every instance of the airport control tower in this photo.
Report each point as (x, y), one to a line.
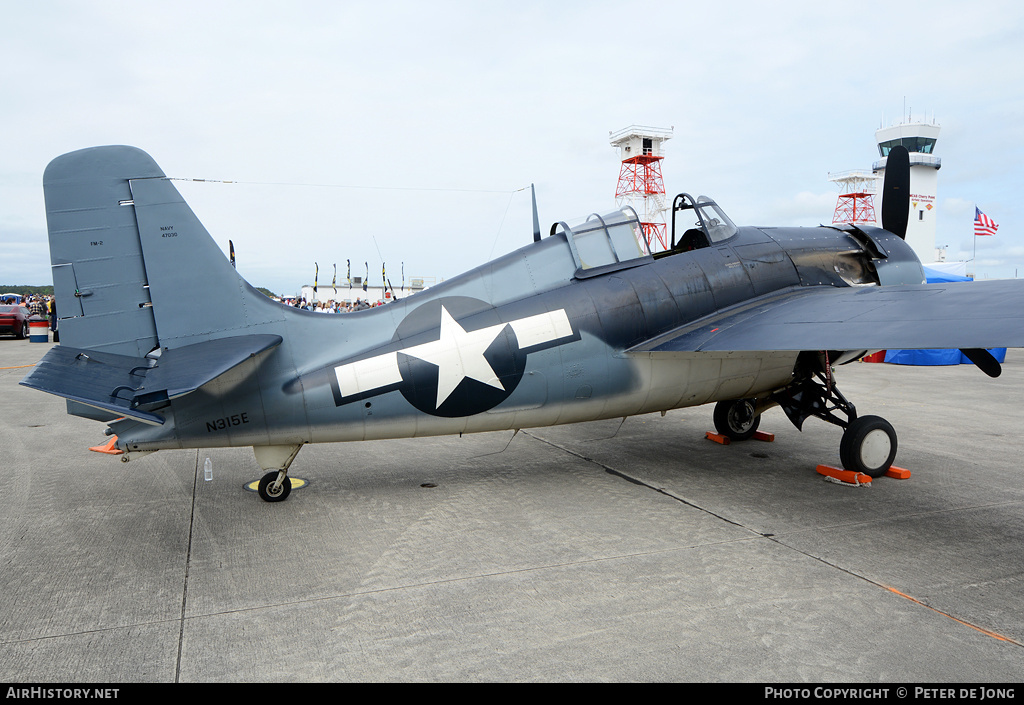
(919, 138)
(640, 181)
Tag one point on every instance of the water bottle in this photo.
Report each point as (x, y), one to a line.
(207, 470)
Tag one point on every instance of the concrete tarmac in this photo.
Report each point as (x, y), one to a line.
(607, 551)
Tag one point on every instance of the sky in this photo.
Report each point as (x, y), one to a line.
(404, 133)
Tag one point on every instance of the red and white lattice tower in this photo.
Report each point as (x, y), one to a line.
(856, 203)
(640, 182)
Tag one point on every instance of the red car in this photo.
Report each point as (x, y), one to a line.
(14, 321)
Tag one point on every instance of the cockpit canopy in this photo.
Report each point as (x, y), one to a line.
(603, 240)
(618, 239)
(710, 225)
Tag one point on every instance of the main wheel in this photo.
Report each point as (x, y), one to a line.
(268, 493)
(868, 446)
(736, 419)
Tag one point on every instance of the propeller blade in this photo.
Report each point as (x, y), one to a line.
(985, 361)
(896, 192)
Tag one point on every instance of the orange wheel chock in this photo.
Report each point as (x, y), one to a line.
(109, 448)
(717, 438)
(854, 478)
(847, 476)
(724, 440)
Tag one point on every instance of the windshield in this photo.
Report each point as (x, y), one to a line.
(709, 225)
(716, 223)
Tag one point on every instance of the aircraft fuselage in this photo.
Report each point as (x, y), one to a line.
(527, 340)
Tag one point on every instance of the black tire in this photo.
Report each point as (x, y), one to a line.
(868, 446)
(736, 419)
(24, 331)
(282, 493)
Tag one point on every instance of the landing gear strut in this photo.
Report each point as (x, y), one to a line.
(869, 442)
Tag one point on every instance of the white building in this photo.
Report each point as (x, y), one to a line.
(372, 295)
(919, 138)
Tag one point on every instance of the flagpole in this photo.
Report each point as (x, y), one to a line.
(974, 258)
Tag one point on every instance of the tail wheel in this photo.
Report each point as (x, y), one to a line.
(868, 446)
(736, 419)
(269, 492)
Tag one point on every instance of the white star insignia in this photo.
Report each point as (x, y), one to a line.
(458, 354)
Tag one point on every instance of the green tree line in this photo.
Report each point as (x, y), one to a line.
(23, 290)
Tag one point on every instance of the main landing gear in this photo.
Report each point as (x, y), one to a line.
(868, 444)
(737, 420)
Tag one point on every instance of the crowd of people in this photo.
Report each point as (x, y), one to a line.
(37, 305)
(332, 306)
(46, 306)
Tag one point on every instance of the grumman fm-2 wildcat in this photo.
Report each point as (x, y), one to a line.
(580, 325)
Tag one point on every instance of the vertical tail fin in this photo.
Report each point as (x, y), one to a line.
(133, 267)
(99, 277)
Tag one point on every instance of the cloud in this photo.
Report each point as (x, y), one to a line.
(25, 254)
(805, 208)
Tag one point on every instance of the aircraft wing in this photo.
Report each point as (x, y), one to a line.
(121, 383)
(987, 314)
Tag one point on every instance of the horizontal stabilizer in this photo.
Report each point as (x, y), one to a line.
(122, 383)
(916, 317)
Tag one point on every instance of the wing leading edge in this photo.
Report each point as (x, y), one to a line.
(988, 314)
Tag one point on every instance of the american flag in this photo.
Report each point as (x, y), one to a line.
(983, 225)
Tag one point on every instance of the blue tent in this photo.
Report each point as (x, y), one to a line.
(933, 276)
(937, 357)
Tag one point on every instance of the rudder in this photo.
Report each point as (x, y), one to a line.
(99, 276)
(133, 267)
